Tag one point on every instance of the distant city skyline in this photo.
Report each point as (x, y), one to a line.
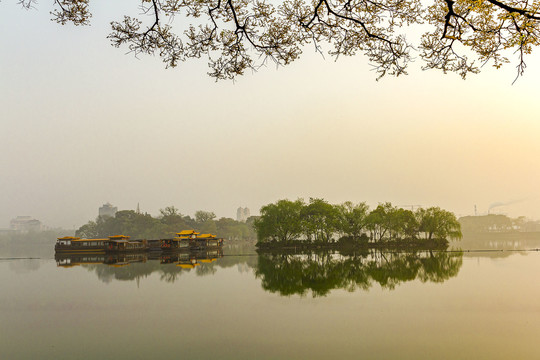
(242, 214)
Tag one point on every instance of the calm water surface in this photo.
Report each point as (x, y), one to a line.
(477, 305)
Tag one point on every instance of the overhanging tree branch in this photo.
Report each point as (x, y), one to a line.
(235, 35)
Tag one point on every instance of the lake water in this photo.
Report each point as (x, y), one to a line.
(451, 305)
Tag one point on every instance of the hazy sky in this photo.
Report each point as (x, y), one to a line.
(82, 123)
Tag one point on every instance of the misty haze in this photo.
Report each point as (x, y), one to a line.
(269, 180)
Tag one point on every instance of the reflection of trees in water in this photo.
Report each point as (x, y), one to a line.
(206, 269)
(242, 255)
(242, 262)
(137, 271)
(129, 272)
(169, 272)
(290, 274)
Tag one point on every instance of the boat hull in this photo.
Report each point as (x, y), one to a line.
(79, 249)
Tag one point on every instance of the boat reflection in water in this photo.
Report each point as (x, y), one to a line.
(320, 272)
(71, 260)
(133, 266)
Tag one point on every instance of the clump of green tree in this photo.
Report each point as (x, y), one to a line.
(165, 225)
(318, 221)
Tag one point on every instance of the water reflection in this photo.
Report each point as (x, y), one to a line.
(136, 266)
(284, 273)
(320, 272)
(500, 241)
(55, 312)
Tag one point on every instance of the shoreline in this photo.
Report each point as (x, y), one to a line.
(384, 245)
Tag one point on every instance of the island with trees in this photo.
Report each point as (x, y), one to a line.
(319, 224)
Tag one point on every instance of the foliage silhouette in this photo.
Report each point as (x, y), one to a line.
(236, 35)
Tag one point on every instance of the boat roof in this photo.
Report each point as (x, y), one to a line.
(77, 239)
(207, 236)
(68, 238)
(187, 232)
(118, 237)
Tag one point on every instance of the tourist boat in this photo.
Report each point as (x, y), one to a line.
(185, 240)
(121, 243)
(73, 244)
(204, 241)
(182, 241)
(116, 243)
(186, 260)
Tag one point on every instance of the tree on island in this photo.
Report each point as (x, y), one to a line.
(235, 35)
(352, 219)
(281, 221)
(379, 221)
(319, 220)
(406, 224)
(438, 223)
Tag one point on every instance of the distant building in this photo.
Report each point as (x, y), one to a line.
(108, 210)
(242, 214)
(25, 224)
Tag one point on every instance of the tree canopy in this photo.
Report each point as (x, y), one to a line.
(234, 35)
(169, 222)
(281, 221)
